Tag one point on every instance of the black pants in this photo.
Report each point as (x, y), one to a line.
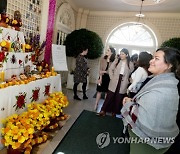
(83, 88)
(131, 94)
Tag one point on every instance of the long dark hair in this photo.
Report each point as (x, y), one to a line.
(113, 55)
(128, 57)
(172, 56)
(143, 61)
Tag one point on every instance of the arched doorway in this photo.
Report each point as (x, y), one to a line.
(64, 24)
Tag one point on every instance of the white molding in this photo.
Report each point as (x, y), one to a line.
(78, 19)
(71, 2)
(132, 14)
(44, 20)
(63, 28)
(66, 14)
(84, 17)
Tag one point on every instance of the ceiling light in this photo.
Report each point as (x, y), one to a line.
(157, 1)
(140, 15)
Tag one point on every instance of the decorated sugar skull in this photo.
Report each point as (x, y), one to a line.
(17, 15)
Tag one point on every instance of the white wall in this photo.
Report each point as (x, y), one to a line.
(164, 25)
(44, 20)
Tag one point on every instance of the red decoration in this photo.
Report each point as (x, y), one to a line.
(44, 65)
(20, 103)
(35, 95)
(47, 88)
(20, 62)
(33, 57)
(3, 56)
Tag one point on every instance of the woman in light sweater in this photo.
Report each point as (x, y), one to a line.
(151, 114)
(140, 74)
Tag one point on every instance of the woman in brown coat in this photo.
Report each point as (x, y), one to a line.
(80, 74)
(103, 81)
(119, 72)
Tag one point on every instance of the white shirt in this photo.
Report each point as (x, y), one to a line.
(137, 78)
(123, 63)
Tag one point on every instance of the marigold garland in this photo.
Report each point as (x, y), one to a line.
(19, 130)
(25, 81)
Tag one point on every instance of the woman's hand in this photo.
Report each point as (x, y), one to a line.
(88, 71)
(99, 81)
(128, 91)
(102, 72)
(130, 80)
(126, 99)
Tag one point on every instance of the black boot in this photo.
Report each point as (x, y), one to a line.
(76, 97)
(85, 97)
(84, 90)
(75, 91)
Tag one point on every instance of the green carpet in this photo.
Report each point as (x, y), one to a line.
(82, 136)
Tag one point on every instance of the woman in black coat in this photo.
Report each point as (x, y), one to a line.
(80, 74)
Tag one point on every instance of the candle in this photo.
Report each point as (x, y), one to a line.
(2, 76)
(40, 68)
(23, 47)
(52, 69)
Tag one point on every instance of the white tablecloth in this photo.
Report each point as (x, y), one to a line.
(8, 95)
(15, 64)
(11, 35)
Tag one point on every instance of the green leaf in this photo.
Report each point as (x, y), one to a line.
(82, 39)
(173, 42)
(5, 60)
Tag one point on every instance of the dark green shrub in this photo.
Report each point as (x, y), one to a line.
(173, 42)
(81, 39)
